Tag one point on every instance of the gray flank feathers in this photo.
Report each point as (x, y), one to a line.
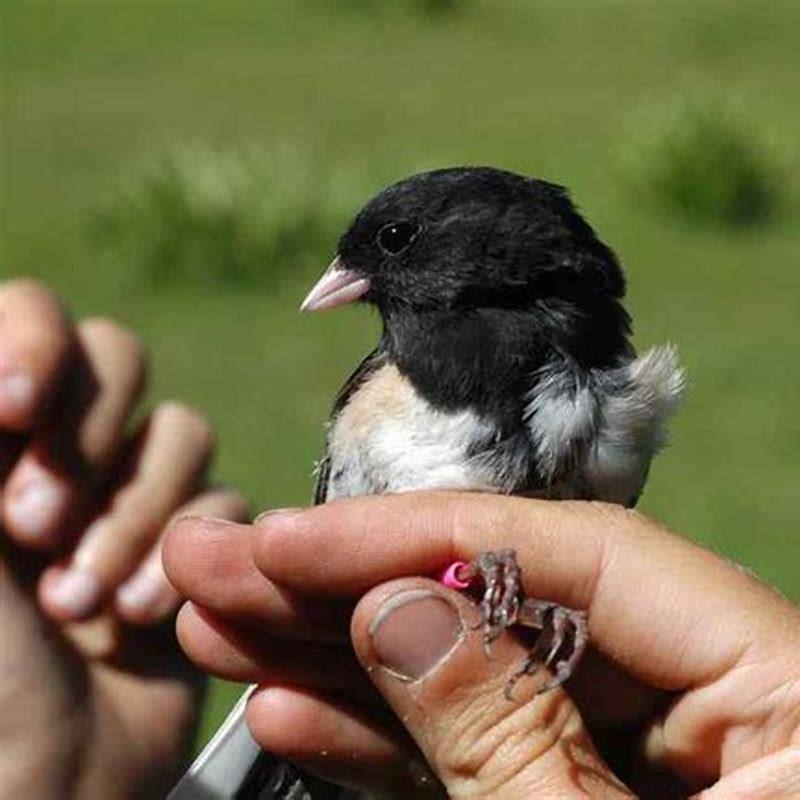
(595, 432)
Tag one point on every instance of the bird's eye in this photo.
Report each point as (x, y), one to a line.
(397, 236)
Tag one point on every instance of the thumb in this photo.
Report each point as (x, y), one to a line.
(419, 644)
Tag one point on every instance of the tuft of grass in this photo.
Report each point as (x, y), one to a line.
(199, 214)
(424, 8)
(701, 158)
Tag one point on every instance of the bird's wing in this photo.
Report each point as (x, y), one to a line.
(595, 432)
(372, 362)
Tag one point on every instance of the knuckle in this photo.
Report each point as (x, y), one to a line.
(108, 333)
(33, 296)
(488, 744)
(615, 515)
(38, 321)
(133, 514)
(24, 288)
(191, 422)
(468, 519)
(130, 500)
(112, 377)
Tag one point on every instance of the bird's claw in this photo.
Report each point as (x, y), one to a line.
(503, 605)
(559, 627)
(502, 592)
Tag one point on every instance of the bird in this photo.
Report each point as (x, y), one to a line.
(505, 365)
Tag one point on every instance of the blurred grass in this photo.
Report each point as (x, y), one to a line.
(194, 214)
(702, 159)
(540, 87)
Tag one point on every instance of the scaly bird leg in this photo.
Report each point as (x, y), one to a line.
(559, 625)
(503, 605)
(502, 592)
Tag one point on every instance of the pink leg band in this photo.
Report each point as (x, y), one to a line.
(450, 576)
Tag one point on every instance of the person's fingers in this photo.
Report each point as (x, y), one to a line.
(212, 565)
(51, 485)
(774, 777)
(246, 655)
(164, 469)
(582, 555)
(697, 624)
(115, 366)
(210, 562)
(420, 645)
(339, 742)
(148, 596)
(35, 343)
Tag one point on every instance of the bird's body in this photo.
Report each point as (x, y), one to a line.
(388, 438)
(505, 363)
(573, 434)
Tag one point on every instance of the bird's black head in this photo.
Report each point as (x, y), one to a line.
(469, 237)
(475, 265)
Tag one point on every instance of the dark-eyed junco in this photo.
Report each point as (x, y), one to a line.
(505, 365)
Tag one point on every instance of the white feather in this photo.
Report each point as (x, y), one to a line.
(596, 432)
(633, 425)
(560, 413)
(404, 444)
(592, 434)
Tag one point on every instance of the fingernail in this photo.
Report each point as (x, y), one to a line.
(413, 632)
(76, 592)
(278, 512)
(17, 390)
(143, 591)
(35, 508)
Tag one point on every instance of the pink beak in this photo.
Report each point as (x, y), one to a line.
(337, 287)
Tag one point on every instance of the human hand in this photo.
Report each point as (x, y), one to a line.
(693, 684)
(96, 700)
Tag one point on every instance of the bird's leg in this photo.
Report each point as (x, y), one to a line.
(557, 625)
(503, 604)
(502, 592)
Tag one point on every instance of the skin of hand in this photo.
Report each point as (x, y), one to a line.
(98, 701)
(691, 686)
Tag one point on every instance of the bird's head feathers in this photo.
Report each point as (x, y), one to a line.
(471, 237)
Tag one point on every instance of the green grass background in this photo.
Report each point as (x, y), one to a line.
(539, 87)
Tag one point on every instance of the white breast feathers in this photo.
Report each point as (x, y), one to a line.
(583, 434)
(390, 439)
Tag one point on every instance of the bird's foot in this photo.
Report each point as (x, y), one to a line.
(559, 627)
(502, 594)
(503, 604)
